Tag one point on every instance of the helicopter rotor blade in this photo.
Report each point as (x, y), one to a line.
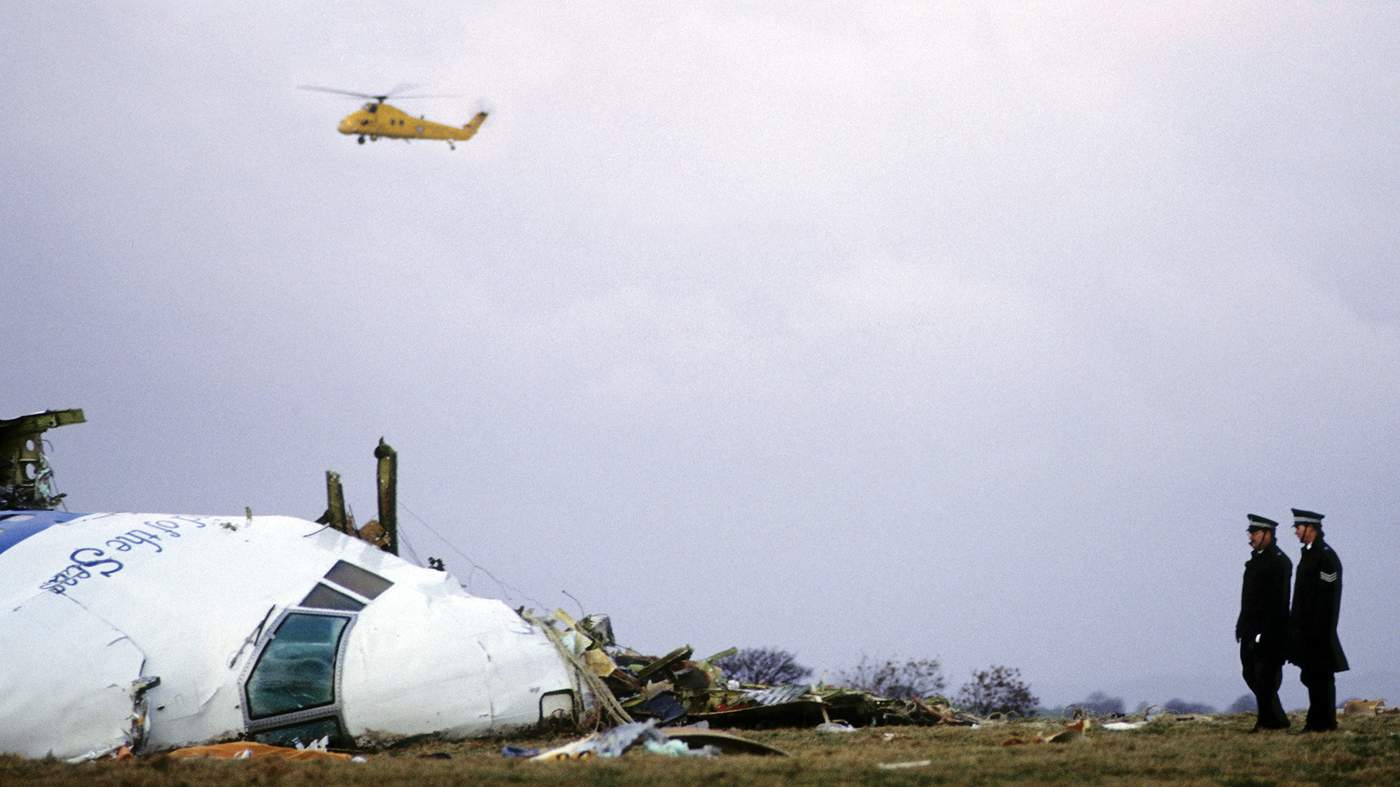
(393, 93)
(338, 91)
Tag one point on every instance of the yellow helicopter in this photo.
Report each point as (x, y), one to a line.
(377, 119)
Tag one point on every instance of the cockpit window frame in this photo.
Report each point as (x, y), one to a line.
(333, 710)
(362, 587)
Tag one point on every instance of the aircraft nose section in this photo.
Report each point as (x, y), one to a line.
(347, 124)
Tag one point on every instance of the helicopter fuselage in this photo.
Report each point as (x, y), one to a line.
(377, 119)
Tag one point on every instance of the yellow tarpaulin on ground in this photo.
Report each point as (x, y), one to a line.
(236, 751)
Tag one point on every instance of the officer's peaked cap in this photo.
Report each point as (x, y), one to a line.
(1257, 522)
(1301, 517)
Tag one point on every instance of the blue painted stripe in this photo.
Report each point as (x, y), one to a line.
(15, 526)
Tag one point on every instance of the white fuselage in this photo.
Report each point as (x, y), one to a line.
(272, 628)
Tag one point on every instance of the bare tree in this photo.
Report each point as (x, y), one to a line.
(769, 666)
(915, 678)
(997, 690)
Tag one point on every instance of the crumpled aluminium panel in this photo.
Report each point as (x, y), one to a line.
(96, 707)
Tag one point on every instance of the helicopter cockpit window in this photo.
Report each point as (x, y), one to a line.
(372, 107)
(296, 670)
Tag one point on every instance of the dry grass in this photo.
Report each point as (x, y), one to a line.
(1365, 751)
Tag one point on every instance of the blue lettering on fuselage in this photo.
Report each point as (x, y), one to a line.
(144, 540)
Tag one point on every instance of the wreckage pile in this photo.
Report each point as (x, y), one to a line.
(677, 689)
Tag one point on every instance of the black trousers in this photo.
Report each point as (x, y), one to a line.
(1263, 673)
(1322, 699)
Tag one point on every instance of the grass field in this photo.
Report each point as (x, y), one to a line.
(1218, 750)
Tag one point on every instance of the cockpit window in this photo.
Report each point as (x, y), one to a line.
(297, 668)
(372, 107)
(325, 597)
(356, 579)
(304, 733)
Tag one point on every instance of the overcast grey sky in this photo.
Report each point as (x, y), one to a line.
(918, 329)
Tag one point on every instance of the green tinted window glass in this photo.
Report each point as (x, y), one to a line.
(297, 669)
(323, 597)
(351, 576)
(305, 733)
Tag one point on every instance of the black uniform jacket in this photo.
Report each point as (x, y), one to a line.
(1264, 602)
(1317, 598)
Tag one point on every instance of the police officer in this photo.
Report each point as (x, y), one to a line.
(1262, 627)
(1317, 598)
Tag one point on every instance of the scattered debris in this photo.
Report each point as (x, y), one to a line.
(387, 475)
(896, 766)
(1122, 726)
(26, 479)
(625, 685)
(1071, 733)
(384, 531)
(724, 742)
(805, 712)
(673, 748)
(249, 750)
(335, 515)
(1366, 708)
(835, 726)
(621, 739)
(775, 695)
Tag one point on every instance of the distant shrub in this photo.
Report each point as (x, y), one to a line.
(769, 666)
(1245, 703)
(1100, 704)
(1182, 706)
(914, 678)
(997, 690)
